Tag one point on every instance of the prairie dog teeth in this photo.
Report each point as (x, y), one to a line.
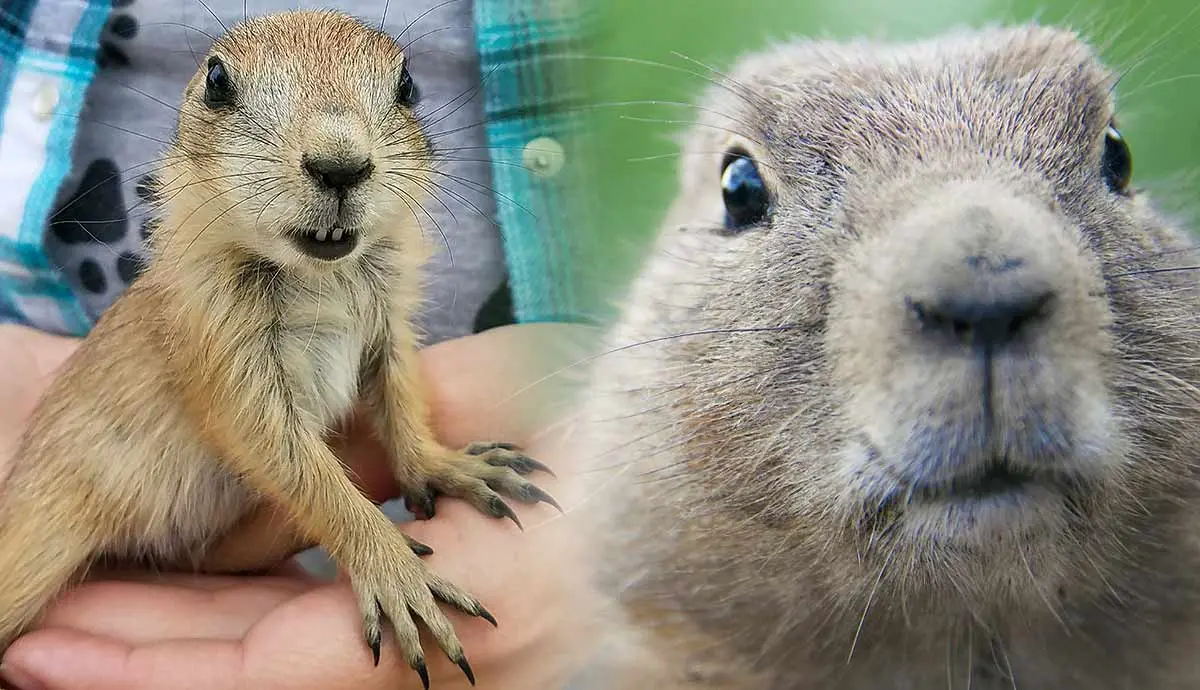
(322, 235)
(337, 235)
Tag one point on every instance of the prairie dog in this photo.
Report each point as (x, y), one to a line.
(284, 269)
(908, 392)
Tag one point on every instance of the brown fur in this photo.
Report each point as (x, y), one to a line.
(755, 435)
(204, 396)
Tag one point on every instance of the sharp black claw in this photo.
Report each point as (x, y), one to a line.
(487, 616)
(427, 506)
(419, 548)
(419, 667)
(539, 466)
(466, 669)
(539, 495)
(374, 642)
(501, 509)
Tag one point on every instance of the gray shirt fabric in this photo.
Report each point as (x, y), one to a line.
(151, 48)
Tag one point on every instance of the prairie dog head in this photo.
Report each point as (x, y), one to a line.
(297, 141)
(908, 359)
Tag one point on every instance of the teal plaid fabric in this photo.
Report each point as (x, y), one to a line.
(530, 93)
(47, 59)
(533, 93)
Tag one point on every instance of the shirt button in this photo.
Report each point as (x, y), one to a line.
(544, 157)
(45, 101)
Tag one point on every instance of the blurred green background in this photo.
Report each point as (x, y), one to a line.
(1156, 40)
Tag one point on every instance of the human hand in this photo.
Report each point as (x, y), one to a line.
(289, 630)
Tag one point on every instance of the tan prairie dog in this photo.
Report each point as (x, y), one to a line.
(908, 394)
(285, 267)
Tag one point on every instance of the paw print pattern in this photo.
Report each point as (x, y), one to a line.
(122, 27)
(95, 211)
(89, 233)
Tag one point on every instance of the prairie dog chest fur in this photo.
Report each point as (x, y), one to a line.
(325, 329)
(321, 331)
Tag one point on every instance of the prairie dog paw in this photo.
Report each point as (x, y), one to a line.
(396, 587)
(481, 474)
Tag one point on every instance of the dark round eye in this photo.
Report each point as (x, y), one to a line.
(218, 87)
(1116, 163)
(746, 199)
(407, 93)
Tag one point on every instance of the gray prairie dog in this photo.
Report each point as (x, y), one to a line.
(285, 267)
(908, 394)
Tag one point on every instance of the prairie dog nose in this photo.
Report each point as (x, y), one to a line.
(337, 173)
(981, 273)
(984, 312)
(336, 148)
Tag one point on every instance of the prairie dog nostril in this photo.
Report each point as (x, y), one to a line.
(981, 321)
(338, 174)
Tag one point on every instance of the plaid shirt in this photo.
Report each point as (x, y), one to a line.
(48, 54)
(532, 99)
(47, 59)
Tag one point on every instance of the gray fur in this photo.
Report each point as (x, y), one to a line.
(740, 524)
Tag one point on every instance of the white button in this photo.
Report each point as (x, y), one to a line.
(544, 156)
(45, 101)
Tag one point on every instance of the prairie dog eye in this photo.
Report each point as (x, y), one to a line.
(407, 93)
(747, 200)
(218, 86)
(1116, 163)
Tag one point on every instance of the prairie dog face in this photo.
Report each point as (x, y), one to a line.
(297, 140)
(924, 347)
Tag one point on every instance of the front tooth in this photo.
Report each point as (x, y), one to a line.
(321, 235)
(337, 234)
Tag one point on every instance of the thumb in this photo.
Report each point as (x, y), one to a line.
(505, 383)
(99, 663)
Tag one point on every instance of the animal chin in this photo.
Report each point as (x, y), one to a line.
(979, 502)
(328, 244)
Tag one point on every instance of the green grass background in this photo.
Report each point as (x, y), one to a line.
(1158, 100)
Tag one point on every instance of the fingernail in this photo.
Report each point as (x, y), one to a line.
(18, 679)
